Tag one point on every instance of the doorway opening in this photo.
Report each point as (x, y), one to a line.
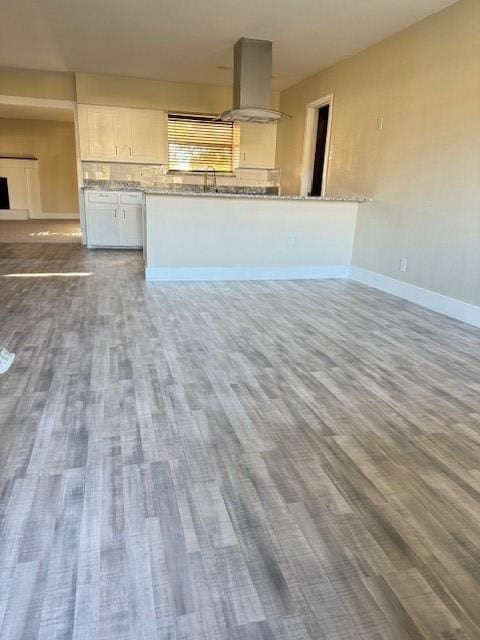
(316, 147)
(4, 197)
(319, 158)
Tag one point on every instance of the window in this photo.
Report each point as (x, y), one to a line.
(195, 142)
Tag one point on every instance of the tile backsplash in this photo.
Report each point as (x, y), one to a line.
(157, 176)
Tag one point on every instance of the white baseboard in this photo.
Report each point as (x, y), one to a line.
(192, 274)
(54, 216)
(451, 307)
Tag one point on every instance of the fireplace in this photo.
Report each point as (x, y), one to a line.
(20, 197)
(4, 196)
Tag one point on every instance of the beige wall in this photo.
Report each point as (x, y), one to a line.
(37, 84)
(121, 91)
(423, 168)
(218, 232)
(257, 142)
(53, 143)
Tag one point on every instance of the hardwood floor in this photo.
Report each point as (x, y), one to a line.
(256, 460)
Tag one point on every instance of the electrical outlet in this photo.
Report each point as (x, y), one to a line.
(403, 264)
(379, 123)
(291, 240)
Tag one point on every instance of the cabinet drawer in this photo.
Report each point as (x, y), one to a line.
(131, 198)
(102, 197)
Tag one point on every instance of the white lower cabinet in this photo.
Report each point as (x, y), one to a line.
(131, 225)
(103, 228)
(113, 219)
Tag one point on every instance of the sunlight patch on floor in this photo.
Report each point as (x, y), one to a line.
(73, 274)
(74, 234)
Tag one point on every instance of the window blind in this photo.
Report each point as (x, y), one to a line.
(195, 142)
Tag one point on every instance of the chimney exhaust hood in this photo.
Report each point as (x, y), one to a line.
(252, 84)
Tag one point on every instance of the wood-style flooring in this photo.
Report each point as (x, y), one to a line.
(40, 231)
(245, 461)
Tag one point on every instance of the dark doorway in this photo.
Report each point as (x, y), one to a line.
(320, 146)
(4, 197)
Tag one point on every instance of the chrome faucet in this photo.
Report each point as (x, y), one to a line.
(205, 179)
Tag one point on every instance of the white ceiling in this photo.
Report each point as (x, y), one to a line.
(186, 40)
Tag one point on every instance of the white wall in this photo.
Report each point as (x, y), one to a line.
(197, 232)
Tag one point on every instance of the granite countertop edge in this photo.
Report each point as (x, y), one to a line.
(210, 194)
(256, 196)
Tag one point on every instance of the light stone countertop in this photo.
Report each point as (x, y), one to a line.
(113, 187)
(255, 196)
(210, 194)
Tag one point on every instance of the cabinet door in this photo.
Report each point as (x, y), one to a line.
(103, 226)
(257, 145)
(101, 124)
(146, 135)
(131, 233)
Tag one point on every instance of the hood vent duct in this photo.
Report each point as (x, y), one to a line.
(252, 84)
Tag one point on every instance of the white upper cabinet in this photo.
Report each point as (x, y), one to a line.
(257, 145)
(146, 135)
(121, 134)
(99, 129)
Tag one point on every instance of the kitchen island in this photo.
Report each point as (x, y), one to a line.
(216, 236)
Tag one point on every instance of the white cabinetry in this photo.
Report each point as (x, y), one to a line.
(145, 135)
(103, 228)
(121, 134)
(113, 219)
(99, 132)
(131, 225)
(257, 145)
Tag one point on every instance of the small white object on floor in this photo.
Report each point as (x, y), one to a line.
(6, 359)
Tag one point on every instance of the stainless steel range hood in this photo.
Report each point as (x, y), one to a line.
(252, 84)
